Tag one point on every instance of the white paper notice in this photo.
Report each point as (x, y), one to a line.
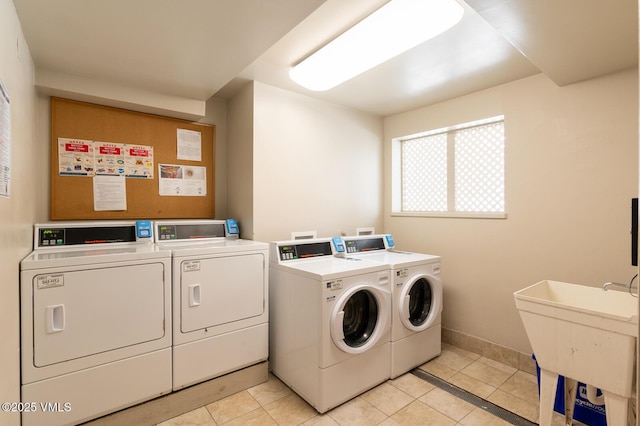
(189, 145)
(182, 180)
(5, 142)
(109, 193)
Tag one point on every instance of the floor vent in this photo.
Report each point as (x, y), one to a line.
(496, 410)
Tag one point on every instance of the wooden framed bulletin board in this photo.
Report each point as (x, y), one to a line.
(127, 138)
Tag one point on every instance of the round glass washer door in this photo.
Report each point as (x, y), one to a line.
(420, 302)
(360, 318)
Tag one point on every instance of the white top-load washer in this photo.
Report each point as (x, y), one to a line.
(329, 325)
(95, 320)
(417, 299)
(220, 298)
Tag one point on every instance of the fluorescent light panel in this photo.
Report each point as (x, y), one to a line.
(393, 29)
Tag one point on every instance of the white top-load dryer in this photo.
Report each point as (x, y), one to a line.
(330, 321)
(220, 299)
(416, 296)
(95, 320)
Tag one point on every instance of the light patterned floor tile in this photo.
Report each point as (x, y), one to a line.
(472, 385)
(462, 352)
(515, 405)
(486, 373)
(257, 417)
(412, 385)
(447, 404)
(523, 385)
(390, 422)
(405, 400)
(418, 413)
(321, 420)
(272, 390)
(480, 417)
(198, 417)
(357, 412)
(438, 370)
(387, 398)
(290, 410)
(232, 407)
(498, 365)
(455, 358)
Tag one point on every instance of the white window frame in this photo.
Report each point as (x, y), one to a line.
(396, 176)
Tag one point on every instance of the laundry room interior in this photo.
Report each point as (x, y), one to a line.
(560, 77)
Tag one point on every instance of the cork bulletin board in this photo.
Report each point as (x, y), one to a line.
(72, 196)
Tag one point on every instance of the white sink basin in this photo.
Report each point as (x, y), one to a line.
(583, 333)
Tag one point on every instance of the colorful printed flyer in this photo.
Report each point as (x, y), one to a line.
(75, 157)
(109, 158)
(138, 161)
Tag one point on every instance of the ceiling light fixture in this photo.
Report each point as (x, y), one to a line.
(393, 29)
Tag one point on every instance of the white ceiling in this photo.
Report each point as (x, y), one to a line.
(202, 48)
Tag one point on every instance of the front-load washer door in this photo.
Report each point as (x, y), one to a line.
(360, 318)
(221, 290)
(420, 302)
(86, 312)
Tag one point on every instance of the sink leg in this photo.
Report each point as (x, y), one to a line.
(570, 391)
(632, 411)
(548, 386)
(617, 409)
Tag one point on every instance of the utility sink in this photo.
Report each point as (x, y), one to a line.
(585, 334)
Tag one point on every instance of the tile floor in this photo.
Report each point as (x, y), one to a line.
(406, 400)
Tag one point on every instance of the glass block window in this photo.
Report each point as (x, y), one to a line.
(456, 170)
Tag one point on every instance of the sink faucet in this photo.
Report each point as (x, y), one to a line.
(605, 286)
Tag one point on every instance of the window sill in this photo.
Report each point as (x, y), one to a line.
(457, 215)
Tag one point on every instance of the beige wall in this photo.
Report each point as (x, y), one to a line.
(240, 190)
(17, 213)
(571, 170)
(216, 114)
(317, 166)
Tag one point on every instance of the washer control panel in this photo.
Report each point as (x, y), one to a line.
(362, 245)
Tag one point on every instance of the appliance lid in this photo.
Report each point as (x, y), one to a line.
(93, 255)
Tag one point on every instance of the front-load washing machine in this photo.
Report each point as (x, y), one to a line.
(330, 322)
(416, 299)
(95, 320)
(220, 299)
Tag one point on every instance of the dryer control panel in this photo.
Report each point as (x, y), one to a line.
(189, 230)
(365, 244)
(61, 234)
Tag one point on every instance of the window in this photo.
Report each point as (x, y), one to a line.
(455, 171)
